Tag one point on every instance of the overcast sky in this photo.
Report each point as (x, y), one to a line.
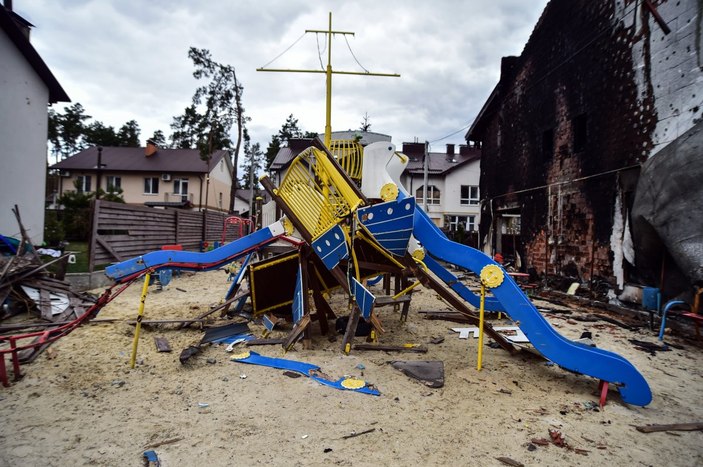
(127, 59)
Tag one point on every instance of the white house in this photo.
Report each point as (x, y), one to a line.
(28, 87)
(452, 184)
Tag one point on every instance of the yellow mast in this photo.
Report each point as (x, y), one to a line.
(329, 72)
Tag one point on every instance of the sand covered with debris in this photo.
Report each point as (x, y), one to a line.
(81, 404)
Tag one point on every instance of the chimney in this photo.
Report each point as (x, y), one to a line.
(463, 149)
(151, 148)
(8, 5)
(450, 150)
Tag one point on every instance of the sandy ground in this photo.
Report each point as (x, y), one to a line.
(85, 406)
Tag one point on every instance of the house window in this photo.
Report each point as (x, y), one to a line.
(580, 133)
(151, 186)
(180, 188)
(433, 195)
(83, 183)
(220, 200)
(455, 222)
(471, 224)
(114, 183)
(469, 195)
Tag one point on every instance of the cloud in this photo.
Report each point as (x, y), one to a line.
(127, 59)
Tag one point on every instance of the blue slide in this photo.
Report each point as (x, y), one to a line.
(598, 363)
(194, 261)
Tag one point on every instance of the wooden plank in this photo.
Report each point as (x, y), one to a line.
(92, 240)
(695, 426)
(162, 344)
(44, 304)
(109, 249)
(392, 348)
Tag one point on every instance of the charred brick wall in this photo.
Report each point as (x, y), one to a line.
(567, 115)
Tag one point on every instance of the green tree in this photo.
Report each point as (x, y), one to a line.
(128, 135)
(289, 129)
(365, 122)
(253, 163)
(76, 212)
(206, 124)
(158, 138)
(98, 134)
(67, 130)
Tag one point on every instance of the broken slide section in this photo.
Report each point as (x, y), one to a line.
(194, 261)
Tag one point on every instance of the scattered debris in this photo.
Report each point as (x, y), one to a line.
(437, 340)
(509, 461)
(291, 374)
(540, 441)
(695, 426)
(417, 348)
(151, 459)
(649, 347)
(161, 443)
(222, 333)
(354, 434)
(306, 369)
(188, 352)
(512, 333)
(162, 344)
(429, 372)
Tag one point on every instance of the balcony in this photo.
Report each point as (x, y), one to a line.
(177, 197)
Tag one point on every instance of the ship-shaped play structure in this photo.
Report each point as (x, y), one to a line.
(347, 218)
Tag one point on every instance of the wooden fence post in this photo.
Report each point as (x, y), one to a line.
(92, 241)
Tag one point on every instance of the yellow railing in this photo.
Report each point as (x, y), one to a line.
(349, 154)
(316, 192)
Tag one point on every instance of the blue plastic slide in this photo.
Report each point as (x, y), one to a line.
(194, 261)
(602, 364)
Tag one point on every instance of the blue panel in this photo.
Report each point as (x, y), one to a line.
(390, 223)
(364, 298)
(331, 247)
(268, 324)
(306, 369)
(298, 309)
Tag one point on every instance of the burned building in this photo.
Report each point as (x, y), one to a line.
(600, 89)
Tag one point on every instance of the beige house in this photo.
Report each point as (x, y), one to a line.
(151, 176)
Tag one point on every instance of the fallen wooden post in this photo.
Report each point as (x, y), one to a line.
(695, 426)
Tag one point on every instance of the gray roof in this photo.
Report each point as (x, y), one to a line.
(440, 163)
(122, 159)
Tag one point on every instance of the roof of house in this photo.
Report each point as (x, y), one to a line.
(8, 24)
(123, 159)
(440, 163)
(245, 194)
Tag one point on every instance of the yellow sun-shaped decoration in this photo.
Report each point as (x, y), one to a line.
(353, 383)
(492, 276)
(241, 356)
(389, 192)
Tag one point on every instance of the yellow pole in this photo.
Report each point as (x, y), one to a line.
(328, 97)
(140, 315)
(480, 327)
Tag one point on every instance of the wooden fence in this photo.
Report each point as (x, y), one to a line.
(122, 231)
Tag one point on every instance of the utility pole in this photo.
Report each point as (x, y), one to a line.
(329, 72)
(425, 173)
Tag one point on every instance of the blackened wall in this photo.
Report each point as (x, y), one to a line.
(567, 115)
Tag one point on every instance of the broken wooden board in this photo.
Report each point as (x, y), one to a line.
(430, 372)
(695, 426)
(162, 344)
(392, 348)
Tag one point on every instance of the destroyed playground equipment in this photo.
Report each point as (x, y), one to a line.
(306, 369)
(341, 234)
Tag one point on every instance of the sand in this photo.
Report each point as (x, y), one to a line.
(81, 404)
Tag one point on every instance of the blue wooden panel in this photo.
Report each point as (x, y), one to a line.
(390, 223)
(298, 309)
(364, 299)
(331, 247)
